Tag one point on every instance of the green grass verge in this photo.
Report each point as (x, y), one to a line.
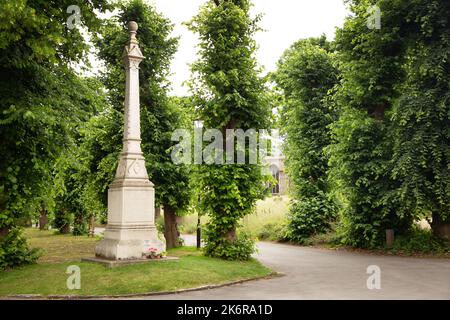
(188, 272)
(268, 213)
(60, 248)
(268, 220)
(48, 276)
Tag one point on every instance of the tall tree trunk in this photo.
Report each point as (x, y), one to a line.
(4, 231)
(199, 233)
(171, 232)
(439, 227)
(230, 235)
(91, 226)
(65, 229)
(43, 220)
(379, 111)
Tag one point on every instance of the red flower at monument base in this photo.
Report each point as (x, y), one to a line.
(152, 253)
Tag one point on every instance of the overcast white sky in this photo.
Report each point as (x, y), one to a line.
(284, 21)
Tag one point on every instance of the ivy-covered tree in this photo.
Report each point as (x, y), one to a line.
(306, 73)
(159, 115)
(38, 103)
(370, 66)
(421, 116)
(228, 94)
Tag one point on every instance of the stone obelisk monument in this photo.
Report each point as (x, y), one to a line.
(131, 227)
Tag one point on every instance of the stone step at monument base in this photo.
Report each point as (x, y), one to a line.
(117, 263)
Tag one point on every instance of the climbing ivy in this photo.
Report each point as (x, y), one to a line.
(389, 158)
(421, 116)
(370, 61)
(228, 94)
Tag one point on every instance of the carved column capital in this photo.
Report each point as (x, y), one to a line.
(132, 56)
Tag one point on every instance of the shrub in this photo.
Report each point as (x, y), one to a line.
(62, 221)
(80, 225)
(14, 250)
(308, 217)
(420, 240)
(240, 249)
(273, 231)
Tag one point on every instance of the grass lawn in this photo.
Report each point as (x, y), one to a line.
(268, 212)
(60, 248)
(48, 276)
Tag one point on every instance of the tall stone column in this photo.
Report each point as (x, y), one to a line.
(131, 197)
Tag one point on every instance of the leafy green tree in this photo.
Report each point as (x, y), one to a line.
(101, 156)
(160, 116)
(371, 184)
(74, 201)
(421, 116)
(228, 94)
(305, 74)
(38, 103)
(360, 158)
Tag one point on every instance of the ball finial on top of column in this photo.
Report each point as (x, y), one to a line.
(132, 28)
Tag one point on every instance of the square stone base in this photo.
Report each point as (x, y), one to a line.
(131, 230)
(114, 249)
(118, 263)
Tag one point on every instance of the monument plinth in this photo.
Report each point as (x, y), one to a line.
(131, 229)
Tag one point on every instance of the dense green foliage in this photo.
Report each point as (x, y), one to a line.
(14, 250)
(390, 157)
(229, 94)
(370, 60)
(421, 116)
(366, 121)
(42, 100)
(305, 74)
(418, 240)
(387, 106)
(74, 200)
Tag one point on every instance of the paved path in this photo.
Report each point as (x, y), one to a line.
(327, 274)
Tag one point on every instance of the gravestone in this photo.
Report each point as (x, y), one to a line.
(131, 229)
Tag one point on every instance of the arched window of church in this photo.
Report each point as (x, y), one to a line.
(276, 175)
